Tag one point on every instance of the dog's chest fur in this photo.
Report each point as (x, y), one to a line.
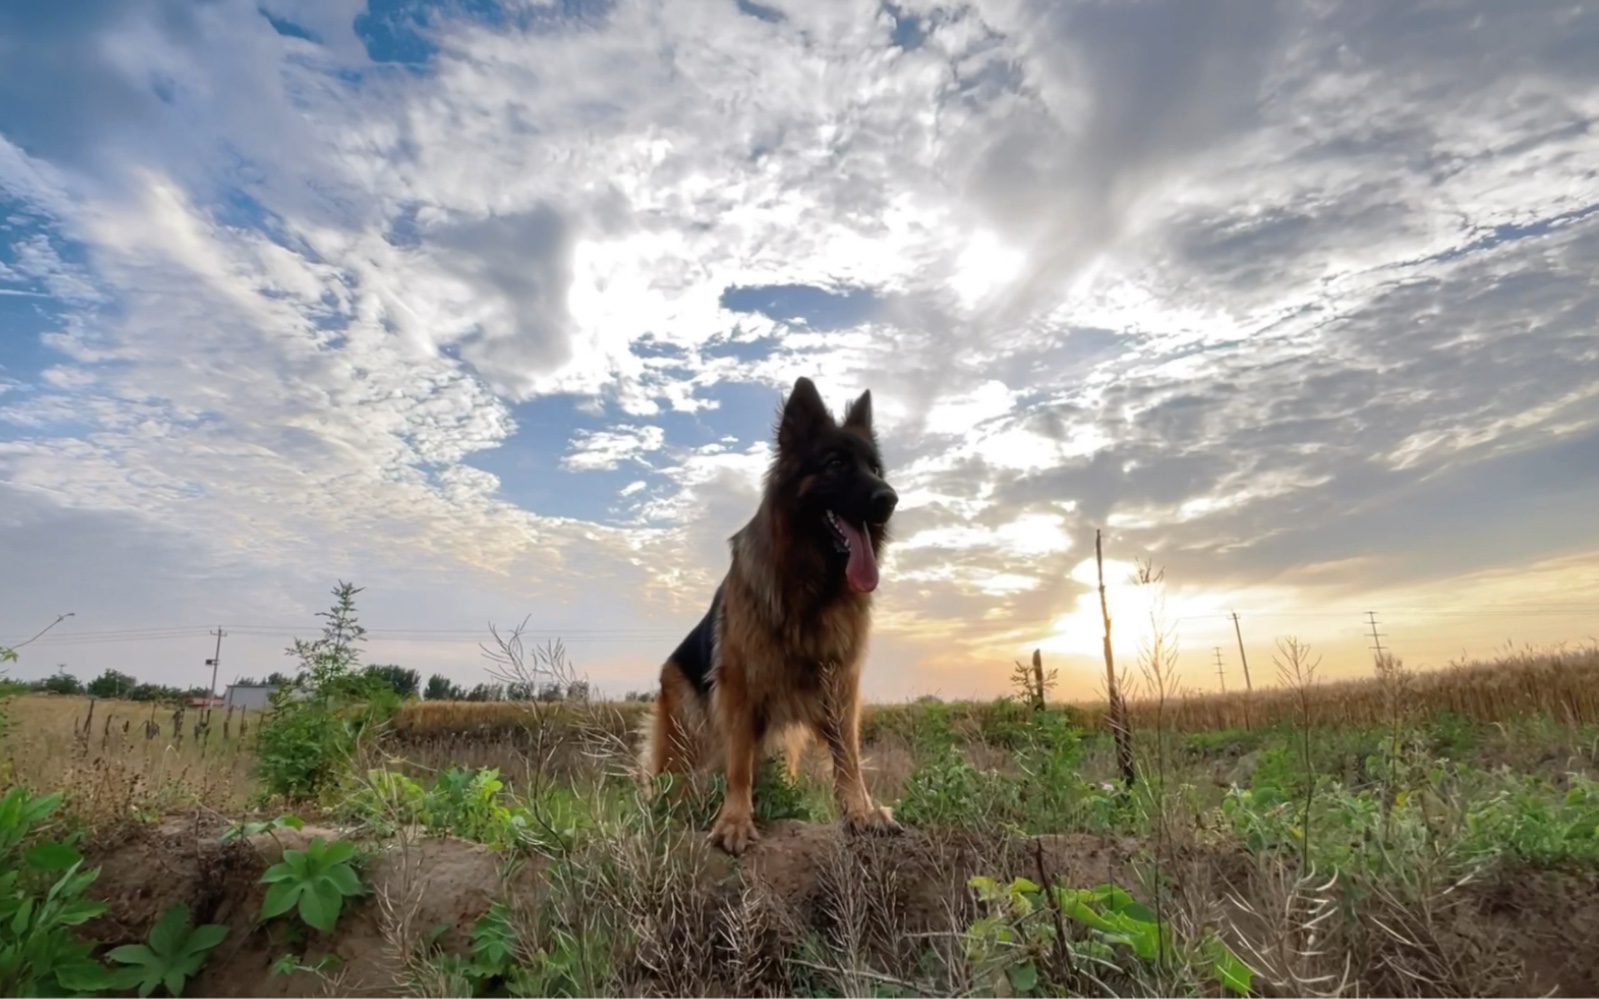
(784, 634)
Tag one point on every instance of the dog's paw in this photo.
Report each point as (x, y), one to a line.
(877, 820)
(733, 833)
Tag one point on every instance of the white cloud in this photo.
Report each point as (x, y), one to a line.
(592, 450)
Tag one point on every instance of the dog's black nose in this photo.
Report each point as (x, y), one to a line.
(883, 502)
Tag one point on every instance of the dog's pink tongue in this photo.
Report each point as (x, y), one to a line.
(862, 569)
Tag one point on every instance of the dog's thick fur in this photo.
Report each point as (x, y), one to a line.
(777, 658)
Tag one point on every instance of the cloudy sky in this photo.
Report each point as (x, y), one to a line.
(488, 308)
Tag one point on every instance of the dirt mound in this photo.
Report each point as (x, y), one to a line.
(1509, 933)
(925, 873)
(415, 886)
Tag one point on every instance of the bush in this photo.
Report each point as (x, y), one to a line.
(315, 723)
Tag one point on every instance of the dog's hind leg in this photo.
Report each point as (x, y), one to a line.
(669, 745)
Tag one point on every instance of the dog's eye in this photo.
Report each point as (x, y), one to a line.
(835, 462)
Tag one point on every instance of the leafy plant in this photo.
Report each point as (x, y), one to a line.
(316, 879)
(777, 796)
(173, 955)
(493, 967)
(304, 744)
(1007, 945)
(1016, 940)
(41, 899)
(951, 791)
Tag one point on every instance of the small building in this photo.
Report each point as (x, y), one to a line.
(250, 696)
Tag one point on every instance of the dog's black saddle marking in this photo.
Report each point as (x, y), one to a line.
(696, 655)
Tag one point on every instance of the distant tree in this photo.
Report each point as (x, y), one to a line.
(578, 691)
(148, 692)
(440, 688)
(552, 692)
(405, 682)
(486, 692)
(639, 696)
(61, 682)
(276, 679)
(111, 683)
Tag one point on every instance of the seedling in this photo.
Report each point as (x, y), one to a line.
(317, 879)
(173, 955)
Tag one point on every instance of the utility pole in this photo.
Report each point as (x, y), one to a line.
(1221, 671)
(214, 663)
(1249, 687)
(1376, 637)
(1239, 631)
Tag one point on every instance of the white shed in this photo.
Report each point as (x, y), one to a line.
(252, 696)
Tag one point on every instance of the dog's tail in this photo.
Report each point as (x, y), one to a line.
(646, 761)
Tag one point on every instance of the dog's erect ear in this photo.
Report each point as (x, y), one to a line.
(804, 414)
(859, 414)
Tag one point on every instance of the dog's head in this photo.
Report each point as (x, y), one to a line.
(831, 476)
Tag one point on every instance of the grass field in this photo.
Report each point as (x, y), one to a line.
(1416, 834)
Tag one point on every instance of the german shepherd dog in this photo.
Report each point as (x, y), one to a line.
(777, 659)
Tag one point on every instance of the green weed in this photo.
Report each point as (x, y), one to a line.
(174, 954)
(316, 880)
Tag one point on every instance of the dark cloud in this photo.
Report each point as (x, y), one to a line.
(521, 265)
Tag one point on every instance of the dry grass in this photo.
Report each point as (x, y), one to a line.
(115, 757)
(1562, 683)
(422, 719)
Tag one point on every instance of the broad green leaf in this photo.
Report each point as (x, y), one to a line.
(206, 937)
(319, 906)
(338, 852)
(280, 898)
(52, 857)
(19, 922)
(170, 929)
(133, 954)
(1234, 974)
(344, 880)
(1024, 978)
(84, 976)
(80, 911)
(174, 982)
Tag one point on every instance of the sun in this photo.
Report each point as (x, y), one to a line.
(983, 267)
(1192, 615)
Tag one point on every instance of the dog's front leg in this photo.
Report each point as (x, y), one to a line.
(840, 728)
(734, 830)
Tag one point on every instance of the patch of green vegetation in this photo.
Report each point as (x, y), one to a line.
(43, 898)
(1018, 947)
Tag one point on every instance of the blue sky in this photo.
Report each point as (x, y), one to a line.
(489, 306)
